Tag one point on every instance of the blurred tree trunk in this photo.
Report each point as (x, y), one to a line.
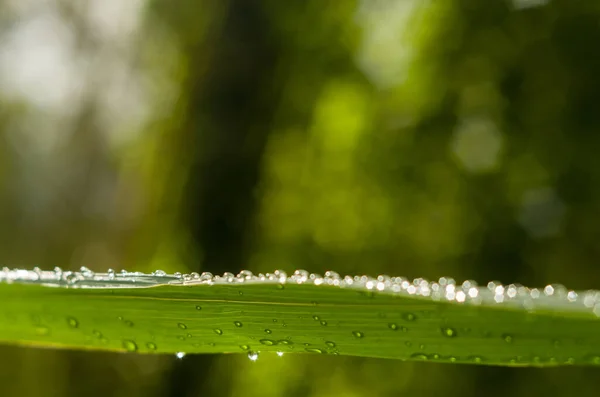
(232, 96)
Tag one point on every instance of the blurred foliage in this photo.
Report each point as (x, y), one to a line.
(415, 138)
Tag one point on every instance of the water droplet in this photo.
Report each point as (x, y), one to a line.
(267, 342)
(253, 356)
(130, 345)
(86, 273)
(198, 307)
(330, 344)
(151, 346)
(181, 338)
(238, 324)
(323, 323)
(189, 335)
(507, 338)
(274, 320)
(73, 323)
(449, 332)
(268, 331)
(358, 334)
(284, 342)
(97, 333)
(128, 323)
(315, 350)
(159, 273)
(419, 356)
(593, 359)
(475, 359)
(393, 326)
(218, 331)
(410, 317)
(180, 355)
(316, 318)
(244, 347)
(42, 330)
(403, 329)
(71, 277)
(280, 354)
(182, 325)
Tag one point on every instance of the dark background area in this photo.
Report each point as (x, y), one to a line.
(401, 137)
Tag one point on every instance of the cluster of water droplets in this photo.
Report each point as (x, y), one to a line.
(551, 297)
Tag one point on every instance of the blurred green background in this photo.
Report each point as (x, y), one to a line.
(419, 138)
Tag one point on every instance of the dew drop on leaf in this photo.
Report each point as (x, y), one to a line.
(330, 344)
(358, 334)
(316, 318)
(268, 331)
(323, 323)
(130, 345)
(410, 317)
(180, 355)
(151, 346)
(181, 338)
(244, 347)
(449, 332)
(475, 359)
(284, 342)
(42, 331)
(393, 326)
(419, 356)
(253, 356)
(507, 338)
(267, 342)
(315, 350)
(280, 354)
(189, 335)
(128, 323)
(72, 322)
(593, 360)
(198, 307)
(238, 324)
(97, 333)
(218, 331)
(182, 325)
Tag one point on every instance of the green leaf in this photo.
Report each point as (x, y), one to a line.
(304, 313)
